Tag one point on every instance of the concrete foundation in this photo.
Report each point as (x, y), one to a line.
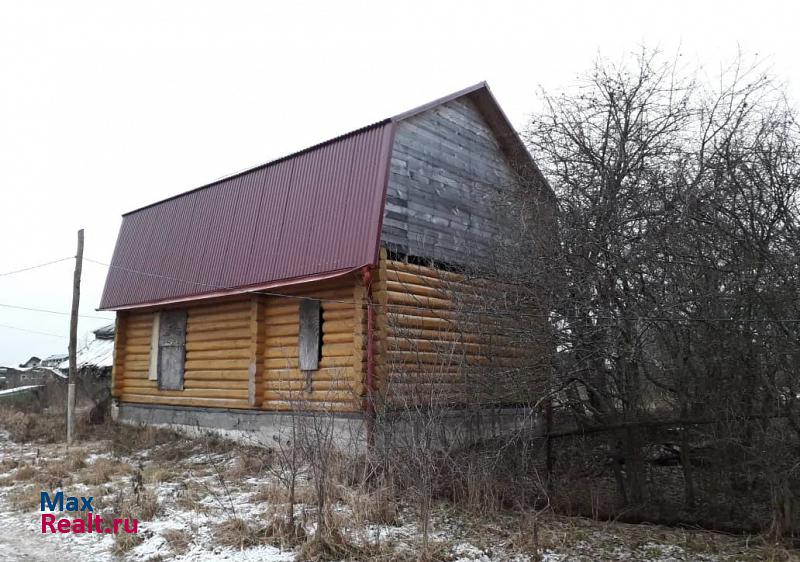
(246, 426)
(448, 428)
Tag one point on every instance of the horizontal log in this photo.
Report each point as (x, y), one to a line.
(338, 349)
(340, 337)
(213, 364)
(292, 362)
(352, 387)
(280, 341)
(404, 298)
(140, 340)
(184, 401)
(137, 383)
(142, 333)
(330, 306)
(231, 353)
(302, 407)
(281, 320)
(217, 375)
(195, 319)
(337, 326)
(283, 351)
(430, 358)
(331, 373)
(140, 324)
(331, 315)
(136, 365)
(218, 326)
(212, 345)
(393, 265)
(282, 309)
(283, 330)
(226, 335)
(302, 396)
(221, 307)
(414, 288)
(194, 393)
(219, 384)
(422, 322)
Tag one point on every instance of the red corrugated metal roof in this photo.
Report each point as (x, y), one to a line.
(312, 214)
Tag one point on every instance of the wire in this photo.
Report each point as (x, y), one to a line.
(516, 313)
(36, 266)
(53, 312)
(32, 331)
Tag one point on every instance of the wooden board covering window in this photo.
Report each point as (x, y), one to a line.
(171, 349)
(310, 334)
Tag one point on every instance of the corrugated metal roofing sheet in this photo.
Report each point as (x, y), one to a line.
(309, 215)
(312, 214)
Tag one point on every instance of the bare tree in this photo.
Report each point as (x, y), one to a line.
(673, 290)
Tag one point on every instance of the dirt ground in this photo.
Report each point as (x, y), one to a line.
(204, 499)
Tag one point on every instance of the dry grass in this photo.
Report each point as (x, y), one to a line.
(237, 533)
(127, 439)
(24, 473)
(153, 474)
(375, 506)
(332, 545)
(76, 460)
(276, 494)
(102, 470)
(124, 542)
(146, 506)
(53, 474)
(177, 539)
(8, 464)
(248, 462)
(26, 427)
(189, 496)
(25, 498)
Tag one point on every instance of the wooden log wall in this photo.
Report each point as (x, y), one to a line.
(436, 345)
(429, 346)
(338, 383)
(217, 358)
(243, 353)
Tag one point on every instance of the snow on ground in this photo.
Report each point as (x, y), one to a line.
(19, 389)
(562, 539)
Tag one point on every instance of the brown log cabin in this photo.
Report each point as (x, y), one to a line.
(324, 277)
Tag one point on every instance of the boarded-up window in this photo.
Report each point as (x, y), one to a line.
(310, 340)
(171, 349)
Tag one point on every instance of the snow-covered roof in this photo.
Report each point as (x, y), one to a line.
(106, 332)
(96, 353)
(56, 356)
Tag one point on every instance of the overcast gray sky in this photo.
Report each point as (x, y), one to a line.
(106, 106)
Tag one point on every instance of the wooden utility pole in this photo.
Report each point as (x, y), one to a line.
(73, 340)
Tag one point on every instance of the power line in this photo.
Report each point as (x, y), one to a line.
(53, 311)
(36, 266)
(32, 331)
(516, 313)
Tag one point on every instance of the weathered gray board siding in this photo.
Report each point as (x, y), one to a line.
(446, 163)
(171, 349)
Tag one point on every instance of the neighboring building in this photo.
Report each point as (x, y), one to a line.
(54, 360)
(30, 363)
(252, 294)
(97, 356)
